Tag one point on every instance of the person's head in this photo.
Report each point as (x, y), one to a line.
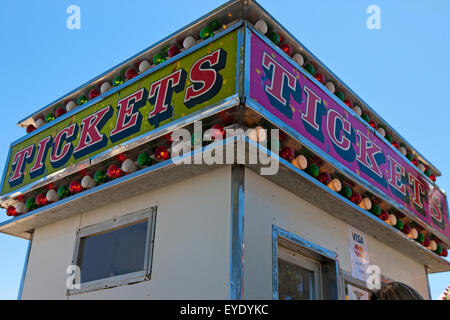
(396, 291)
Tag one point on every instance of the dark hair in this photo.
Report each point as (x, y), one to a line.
(395, 291)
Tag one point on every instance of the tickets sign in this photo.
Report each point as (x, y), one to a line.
(297, 101)
(189, 84)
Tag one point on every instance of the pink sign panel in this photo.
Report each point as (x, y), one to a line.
(300, 103)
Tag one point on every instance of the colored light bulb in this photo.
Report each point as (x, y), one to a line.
(113, 171)
(427, 172)
(82, 100)
(30, 128)
(310, 68)
(87, 182)
(161, 153)
(49, 117)
(158, 58)
(261, 26)
(356, 197)
(346, 191)
(286, 48)
(406, 229)
(75, 186)
(444, 252)
(130, 73)
(300, 162)
(439, 249)
(287, 153)
(384, 215)
(52, 196)
(388, 137)
(144, 66)
(365, 117)
(188, 42)
(31, 204)
(217, 130)
(94, 93)
(349, 103)
(433, 178)
(173, 51)
(426, 242)
(420, 238)
(41, 200)
(313, 170)
(11, 211)
(274, 37)
(214, 25)
(366, 204)
(415, 162)
(373, 124)
(395, 144)
(59, 112)
(409, 156)
(324, 178)
(335, 185)
(144, 159)
(128, 166)
(206, 33)
(399, 225)
(100, 177)
(319, 77)
(63, 191)
(376, 210)
(340, 95)
(118, 80)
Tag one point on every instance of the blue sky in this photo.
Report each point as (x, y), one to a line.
(401, 70)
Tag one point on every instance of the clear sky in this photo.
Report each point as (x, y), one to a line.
(400, 70)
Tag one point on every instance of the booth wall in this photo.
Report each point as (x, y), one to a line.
(191, 249)
(267, 204)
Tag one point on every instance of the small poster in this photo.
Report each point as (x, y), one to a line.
(355, 293)
(359, 256)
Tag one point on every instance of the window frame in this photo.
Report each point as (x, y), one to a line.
(149, 215)
(306, 263)
(329, 262)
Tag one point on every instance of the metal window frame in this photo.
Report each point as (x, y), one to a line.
(305, 245)
(149, 215)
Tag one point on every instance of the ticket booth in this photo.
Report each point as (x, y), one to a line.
(224, 162)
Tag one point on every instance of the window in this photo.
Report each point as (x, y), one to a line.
(115, 252)
(302, 270)
(298, 277)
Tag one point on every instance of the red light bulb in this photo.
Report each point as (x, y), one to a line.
(373, 124)
(324, 178)
(41, 200)
(59, 112)
(226, 117)
(168, 138)
(11, 211)
(319, 77)
(113, 171)
(406, 229)
(286, 48)
(349, 103)
(130, 73)
(287, 153)
(384, 215)
(217, 129)
(30, 128)
(415, 162)
(93, 94)
(395, 144)
(426, 242)
(122, 157)
(161, 153)
(356, 197)
(433, 178)
(173, 51)
(444, 252)
(75, 186)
